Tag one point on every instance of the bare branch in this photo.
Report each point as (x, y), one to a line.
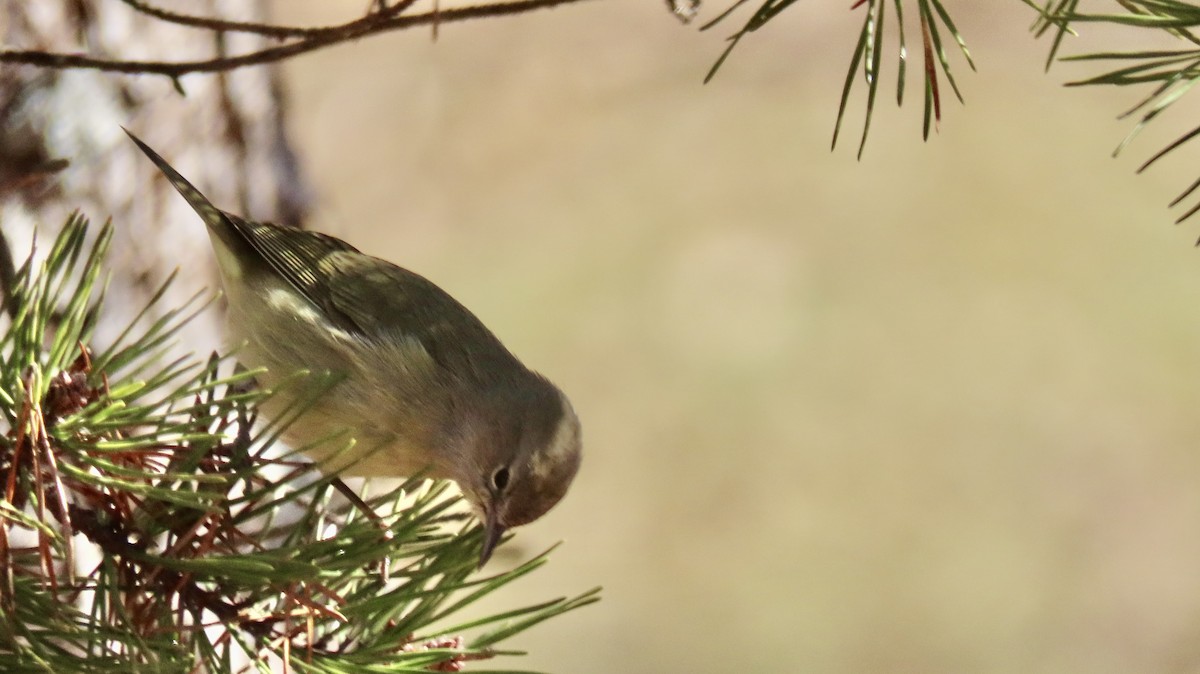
(263, 29)
(312, 38)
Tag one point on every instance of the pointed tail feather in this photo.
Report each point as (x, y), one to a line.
(212, 216)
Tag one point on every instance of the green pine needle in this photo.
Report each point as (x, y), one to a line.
(867, 59)
(1171, 73)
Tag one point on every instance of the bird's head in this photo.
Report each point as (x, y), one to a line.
(524, 457)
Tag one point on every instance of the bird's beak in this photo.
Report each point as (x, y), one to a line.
(492, 531)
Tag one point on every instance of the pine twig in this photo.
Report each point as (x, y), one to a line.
(310, 39)
(1171, 73)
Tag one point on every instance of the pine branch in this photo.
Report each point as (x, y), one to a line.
(304, 40)
(867, 58)
(1170, 73)
(214, 553)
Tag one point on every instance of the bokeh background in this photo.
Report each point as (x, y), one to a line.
(931, 411)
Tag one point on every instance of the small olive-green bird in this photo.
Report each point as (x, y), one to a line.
(422, 384)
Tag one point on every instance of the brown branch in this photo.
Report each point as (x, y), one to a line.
(114, 541)
(263, 29)
(324, 37)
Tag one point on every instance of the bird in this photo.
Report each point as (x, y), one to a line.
(420, 383)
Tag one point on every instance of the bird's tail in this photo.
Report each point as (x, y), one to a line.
(212, 216)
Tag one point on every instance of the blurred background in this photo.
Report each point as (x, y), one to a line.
(930, 411)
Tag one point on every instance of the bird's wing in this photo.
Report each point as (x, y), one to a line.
(376, 299)
(387, 302)
(358, 293)
(294, 255)
(302, 258)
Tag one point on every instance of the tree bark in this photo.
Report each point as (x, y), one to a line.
(62, 148)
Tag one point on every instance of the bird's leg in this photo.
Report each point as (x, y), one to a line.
(356, 501)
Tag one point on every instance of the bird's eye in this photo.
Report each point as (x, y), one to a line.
(500, 478)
